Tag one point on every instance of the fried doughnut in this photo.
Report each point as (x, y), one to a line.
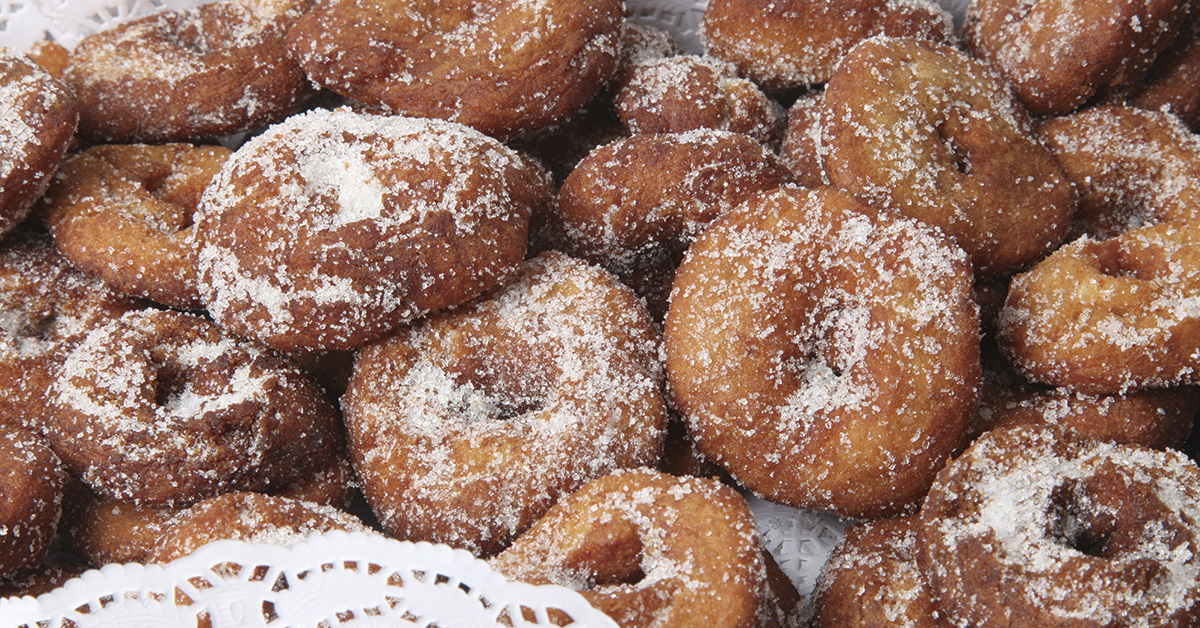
(504, 67)
(947, 145)
(56, 569)
(688, 92)
(37, 122)
(108, 531)
(176, 410)
(649, 549)
(872, 580)
(824, 354)
(467, 426)
(1058, 54)
(124, 213)
(1037, 527)
(216, 69)
(789, 44)
(48, 307)
(800, 151)
(334, 227)
(1106, 316)
(633, 206)
(1156, 417)
(1173, 83)
(252, 518)
(31, 502)
(1131, 167)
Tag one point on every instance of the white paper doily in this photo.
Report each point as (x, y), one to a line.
(335, 580)
(799, 540)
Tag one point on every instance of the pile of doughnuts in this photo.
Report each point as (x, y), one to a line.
(525, 278)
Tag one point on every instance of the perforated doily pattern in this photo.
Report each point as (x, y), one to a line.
(67, 21)
(334, 580)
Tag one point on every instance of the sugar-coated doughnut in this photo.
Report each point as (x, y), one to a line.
(1058, 54)
(789, 44)
(634, 205)
(105, 531)
(1154, 417)
(504, 67)
(31, 502)
(650, 549)
(176, 410)
(466, 426)
(124, 213)
(37, 121)
(800, 149)
(175, 75)
(252, 518)
(48, 307)
(52, 572)
(923, 129)
(1036, 527)
(1172, 84)
(825, 354)
(334, 227)
(1130, 166)
(872, 580)
(687, 92)
(1105, 316)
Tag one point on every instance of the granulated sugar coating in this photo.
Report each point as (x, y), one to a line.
(872, 579)
(504, 67)
(163, 407)
(334, 227)
(1131, 167)
(37, 120)
(1106, 316)
(923, 129)
(826, 355)
(216, 69)
(124, 213)
(1057, 54)
(635, 221)
(1037, 527)
(467, 426)
(788, 44)
(46, 308)
(31, 499)
(655, 550)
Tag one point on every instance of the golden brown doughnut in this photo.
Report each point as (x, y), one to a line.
(650, 549)
(1131, 167)
(947, 145)
(789, 44)
(37, 122)
(334, 227)
(1106, 316)
(633, 206)
(48, 308)
(800, 151)
(825, 354)
(1038, 527)
(466, 426)
(872, 580)
(124, 213)
(684, 93)
(31, 500)
(1057, 54)
(110, 531)
(175, 410)
(504, 67)
(252, 518)
(1155, 417)
(1173, 82)
(176, 75)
